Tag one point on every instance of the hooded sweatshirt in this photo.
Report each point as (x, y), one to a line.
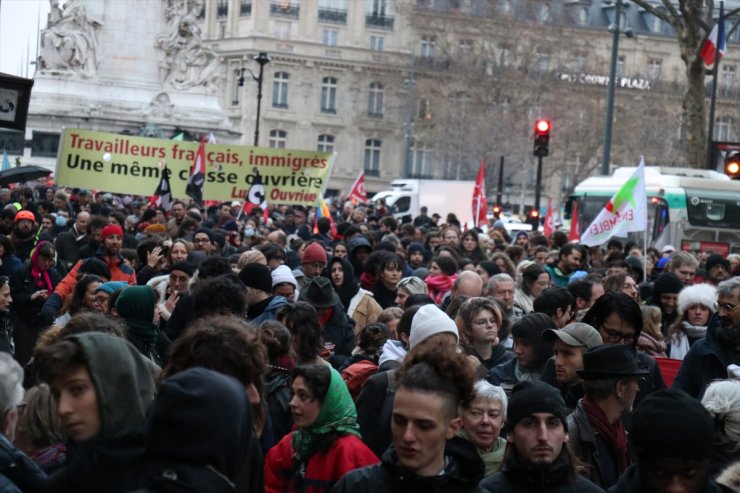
(113, 461)
(215, 411)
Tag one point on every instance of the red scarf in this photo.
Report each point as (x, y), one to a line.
(439, 286)
(613, 434)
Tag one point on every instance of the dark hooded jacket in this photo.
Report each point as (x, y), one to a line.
(18, 473)
(666, 283)
(214, 411)
(115, 460)
(707, 360)
(629, 482)
(349, 286)
(462, 473)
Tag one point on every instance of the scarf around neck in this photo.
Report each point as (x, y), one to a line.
(40, 277)
(613, 434)
(492, 459)
(337, 415)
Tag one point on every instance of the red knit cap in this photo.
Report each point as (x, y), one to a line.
(314, 253)
(111, 229)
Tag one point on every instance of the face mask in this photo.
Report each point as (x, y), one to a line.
(61, 221)
(249, 232)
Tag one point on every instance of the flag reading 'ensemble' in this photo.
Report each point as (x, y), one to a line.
(625, 212)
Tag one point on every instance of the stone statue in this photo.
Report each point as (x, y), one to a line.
(188, 62)
(69, 42)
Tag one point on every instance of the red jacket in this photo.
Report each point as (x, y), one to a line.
(323, 470)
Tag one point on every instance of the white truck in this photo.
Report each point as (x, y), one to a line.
(407, 196)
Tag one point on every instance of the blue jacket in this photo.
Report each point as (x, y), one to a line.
(706, 361)
(270, 312)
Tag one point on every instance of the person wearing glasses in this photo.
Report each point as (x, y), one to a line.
(618, 318)
(203, 241)
(478, 323)
(708, 359)
(325, 443)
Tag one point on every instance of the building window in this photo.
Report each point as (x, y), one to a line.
(544, 13)
(372, 157)
(326, 143)
(654, 68)
(222, 8)
(377, 42)
(237, 96)
(375, 100)
(329, 95)
(379, 14)
(724, 129)
(583, 16)
(621, 65)
(245, 8)
(421, 161)
(466, 47)
(282, 30)
(460, 103)
(727, 82)
(278, 139)
(44, 144)
(330, 37)
(333, 11)
(284, 8)
(425, 109)
(222, 30)
(428, 46)
(622, 21)
(280, 90)
(657, 26)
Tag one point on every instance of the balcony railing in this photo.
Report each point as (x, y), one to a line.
(284, 9)
(372, 172)
(379, 21)
(333, 16)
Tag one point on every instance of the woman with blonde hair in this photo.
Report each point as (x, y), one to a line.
(651, 339)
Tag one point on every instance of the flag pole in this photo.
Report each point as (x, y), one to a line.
(715, 73)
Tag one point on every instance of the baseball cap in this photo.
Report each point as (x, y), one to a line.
(576, 334)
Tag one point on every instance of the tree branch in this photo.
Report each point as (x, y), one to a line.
(672, 19)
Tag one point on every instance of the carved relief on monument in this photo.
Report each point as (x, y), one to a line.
(187, 62)
(69, 42)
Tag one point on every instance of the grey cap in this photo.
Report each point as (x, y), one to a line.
(576, 334)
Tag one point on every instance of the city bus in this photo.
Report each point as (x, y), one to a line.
(690, 209)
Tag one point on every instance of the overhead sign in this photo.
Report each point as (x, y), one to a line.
(132, 165)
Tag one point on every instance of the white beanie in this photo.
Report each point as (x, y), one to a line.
(703, 294)
(281, 274)
(429, 321)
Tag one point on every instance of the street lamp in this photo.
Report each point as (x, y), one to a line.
(616, 31)
(263, 59)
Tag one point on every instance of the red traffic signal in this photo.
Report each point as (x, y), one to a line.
(534, 218)
(542, 129)
(534, 213)
(732, 166)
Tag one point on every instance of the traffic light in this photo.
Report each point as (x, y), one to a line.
(497, 212)
(732, 165)
(542, 129)
(534, 219)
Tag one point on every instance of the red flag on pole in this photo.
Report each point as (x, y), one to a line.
(357, 194)
(194, 188)
(480, 206)
(549, 222)
(574, 235)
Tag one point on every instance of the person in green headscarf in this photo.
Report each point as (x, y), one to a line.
(482, 421)
(137, 306)
(325, 443)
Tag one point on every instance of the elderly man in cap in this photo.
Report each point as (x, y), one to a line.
(672, 435)
(537, 457)
(568, 346)
(598, 437)
(337, 328)
(261, 303)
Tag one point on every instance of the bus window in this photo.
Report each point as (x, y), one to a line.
(658, 216)
(713, 208)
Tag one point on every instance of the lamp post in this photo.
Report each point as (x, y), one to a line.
(616, 31)
(263, 59)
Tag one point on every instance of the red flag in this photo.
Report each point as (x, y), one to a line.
(194, 188)
(357, 194)
(480, 206)
(716, 41)
(574, 235)
(549, 221)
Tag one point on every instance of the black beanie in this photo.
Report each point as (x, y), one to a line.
(672, 424)
(256, 276)
(667, 283)
(528, 398)
(716, 259)
(96, 267)
(185, 267)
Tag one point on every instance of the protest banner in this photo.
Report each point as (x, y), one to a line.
(133, 165)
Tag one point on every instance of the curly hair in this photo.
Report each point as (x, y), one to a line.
(469, 310)
(302, 321)
(440, 369)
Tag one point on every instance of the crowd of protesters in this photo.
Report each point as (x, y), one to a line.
(206, 349)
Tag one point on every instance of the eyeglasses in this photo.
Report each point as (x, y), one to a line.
(722, 306)
(616, 337)
(101, 299)
(201, 240)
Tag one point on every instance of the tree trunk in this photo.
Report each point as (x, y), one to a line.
(695, 113)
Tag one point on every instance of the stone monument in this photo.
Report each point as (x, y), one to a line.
(119, 66)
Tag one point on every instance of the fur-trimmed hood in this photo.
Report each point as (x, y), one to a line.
(730, 477)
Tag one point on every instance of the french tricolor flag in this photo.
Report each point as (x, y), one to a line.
(708, 51)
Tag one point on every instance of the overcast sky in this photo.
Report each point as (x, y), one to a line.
(19, 22)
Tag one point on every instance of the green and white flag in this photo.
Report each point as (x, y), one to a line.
(625, 212)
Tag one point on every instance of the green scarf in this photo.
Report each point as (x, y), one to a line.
(337, 414)
(491, 459)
